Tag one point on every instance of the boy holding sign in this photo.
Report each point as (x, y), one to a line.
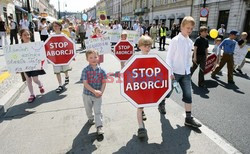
(144, 44)
(200, 55)
(60, 69)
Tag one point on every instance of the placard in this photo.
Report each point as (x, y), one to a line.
(25, 57)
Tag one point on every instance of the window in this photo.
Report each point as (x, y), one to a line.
(144, 3)
(157, 2)
(150, 3)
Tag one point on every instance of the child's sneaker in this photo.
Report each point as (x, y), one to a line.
(144, 118)
(191, 122)
(91, 121)
(100, 130)
(142, 132)
(162, 109)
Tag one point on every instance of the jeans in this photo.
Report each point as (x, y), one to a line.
(185, 83)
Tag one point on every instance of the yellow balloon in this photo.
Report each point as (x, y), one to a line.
(213, 33)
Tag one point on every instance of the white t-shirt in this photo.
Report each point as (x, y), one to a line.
(221, 31)
(24, 24)
(44, 30)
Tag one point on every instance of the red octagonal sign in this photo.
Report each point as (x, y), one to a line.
(60, 50)
(124, 50)
(146, 80)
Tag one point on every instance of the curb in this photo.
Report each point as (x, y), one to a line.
(9, 98)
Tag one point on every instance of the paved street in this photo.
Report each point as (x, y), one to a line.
(57, 123)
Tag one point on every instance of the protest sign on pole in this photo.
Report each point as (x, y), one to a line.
(25, 57)
(210, 62)
(102, 44)
(60, 50)
(146, 80)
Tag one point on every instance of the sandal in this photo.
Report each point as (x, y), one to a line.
(59, 89)
(41, 90)
(66, 80)
(31, 99)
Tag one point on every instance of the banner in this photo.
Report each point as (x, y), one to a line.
(102, 44)
(25, 57)
(240, 54)
(115, 35)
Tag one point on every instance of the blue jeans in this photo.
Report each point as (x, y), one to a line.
(185, 83)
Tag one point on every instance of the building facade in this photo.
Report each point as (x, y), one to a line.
(127, 12)
(117, 15)
(234, 14)
(91, 12)
(109, 8)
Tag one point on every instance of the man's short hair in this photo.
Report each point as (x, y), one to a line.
(91, 51)
(187, 20)
(145, 41)
(203, 29)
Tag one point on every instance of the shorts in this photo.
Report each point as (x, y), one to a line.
(61, 69)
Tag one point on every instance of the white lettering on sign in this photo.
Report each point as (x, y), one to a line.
(149, 72)
(147, 85)
(58, 45)
(123, 52)
(124, 47)
(60, 52)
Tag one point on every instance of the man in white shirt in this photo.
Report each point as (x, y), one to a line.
(81, 31)
(13, 30)
(136, 25)
(117, 26)
(24, 23)
(179, 58)
(222, 31)
(140, 30)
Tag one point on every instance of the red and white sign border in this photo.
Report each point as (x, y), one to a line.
(74, 46)
(116, 45)
(130, 61)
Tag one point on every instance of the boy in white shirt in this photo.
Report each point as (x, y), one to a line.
(179, 58)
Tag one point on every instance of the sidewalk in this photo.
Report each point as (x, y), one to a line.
(56, 123)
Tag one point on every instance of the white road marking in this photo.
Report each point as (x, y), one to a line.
(216, 138)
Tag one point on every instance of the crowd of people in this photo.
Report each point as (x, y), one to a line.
(178, 58)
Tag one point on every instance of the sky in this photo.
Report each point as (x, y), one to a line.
(73, 5)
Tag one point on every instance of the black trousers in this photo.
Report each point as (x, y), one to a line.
(201, 62)
(162, 41)
(44, 37)
(82, 38)
(13, 35)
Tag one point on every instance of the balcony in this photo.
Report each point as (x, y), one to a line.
(141, 11)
